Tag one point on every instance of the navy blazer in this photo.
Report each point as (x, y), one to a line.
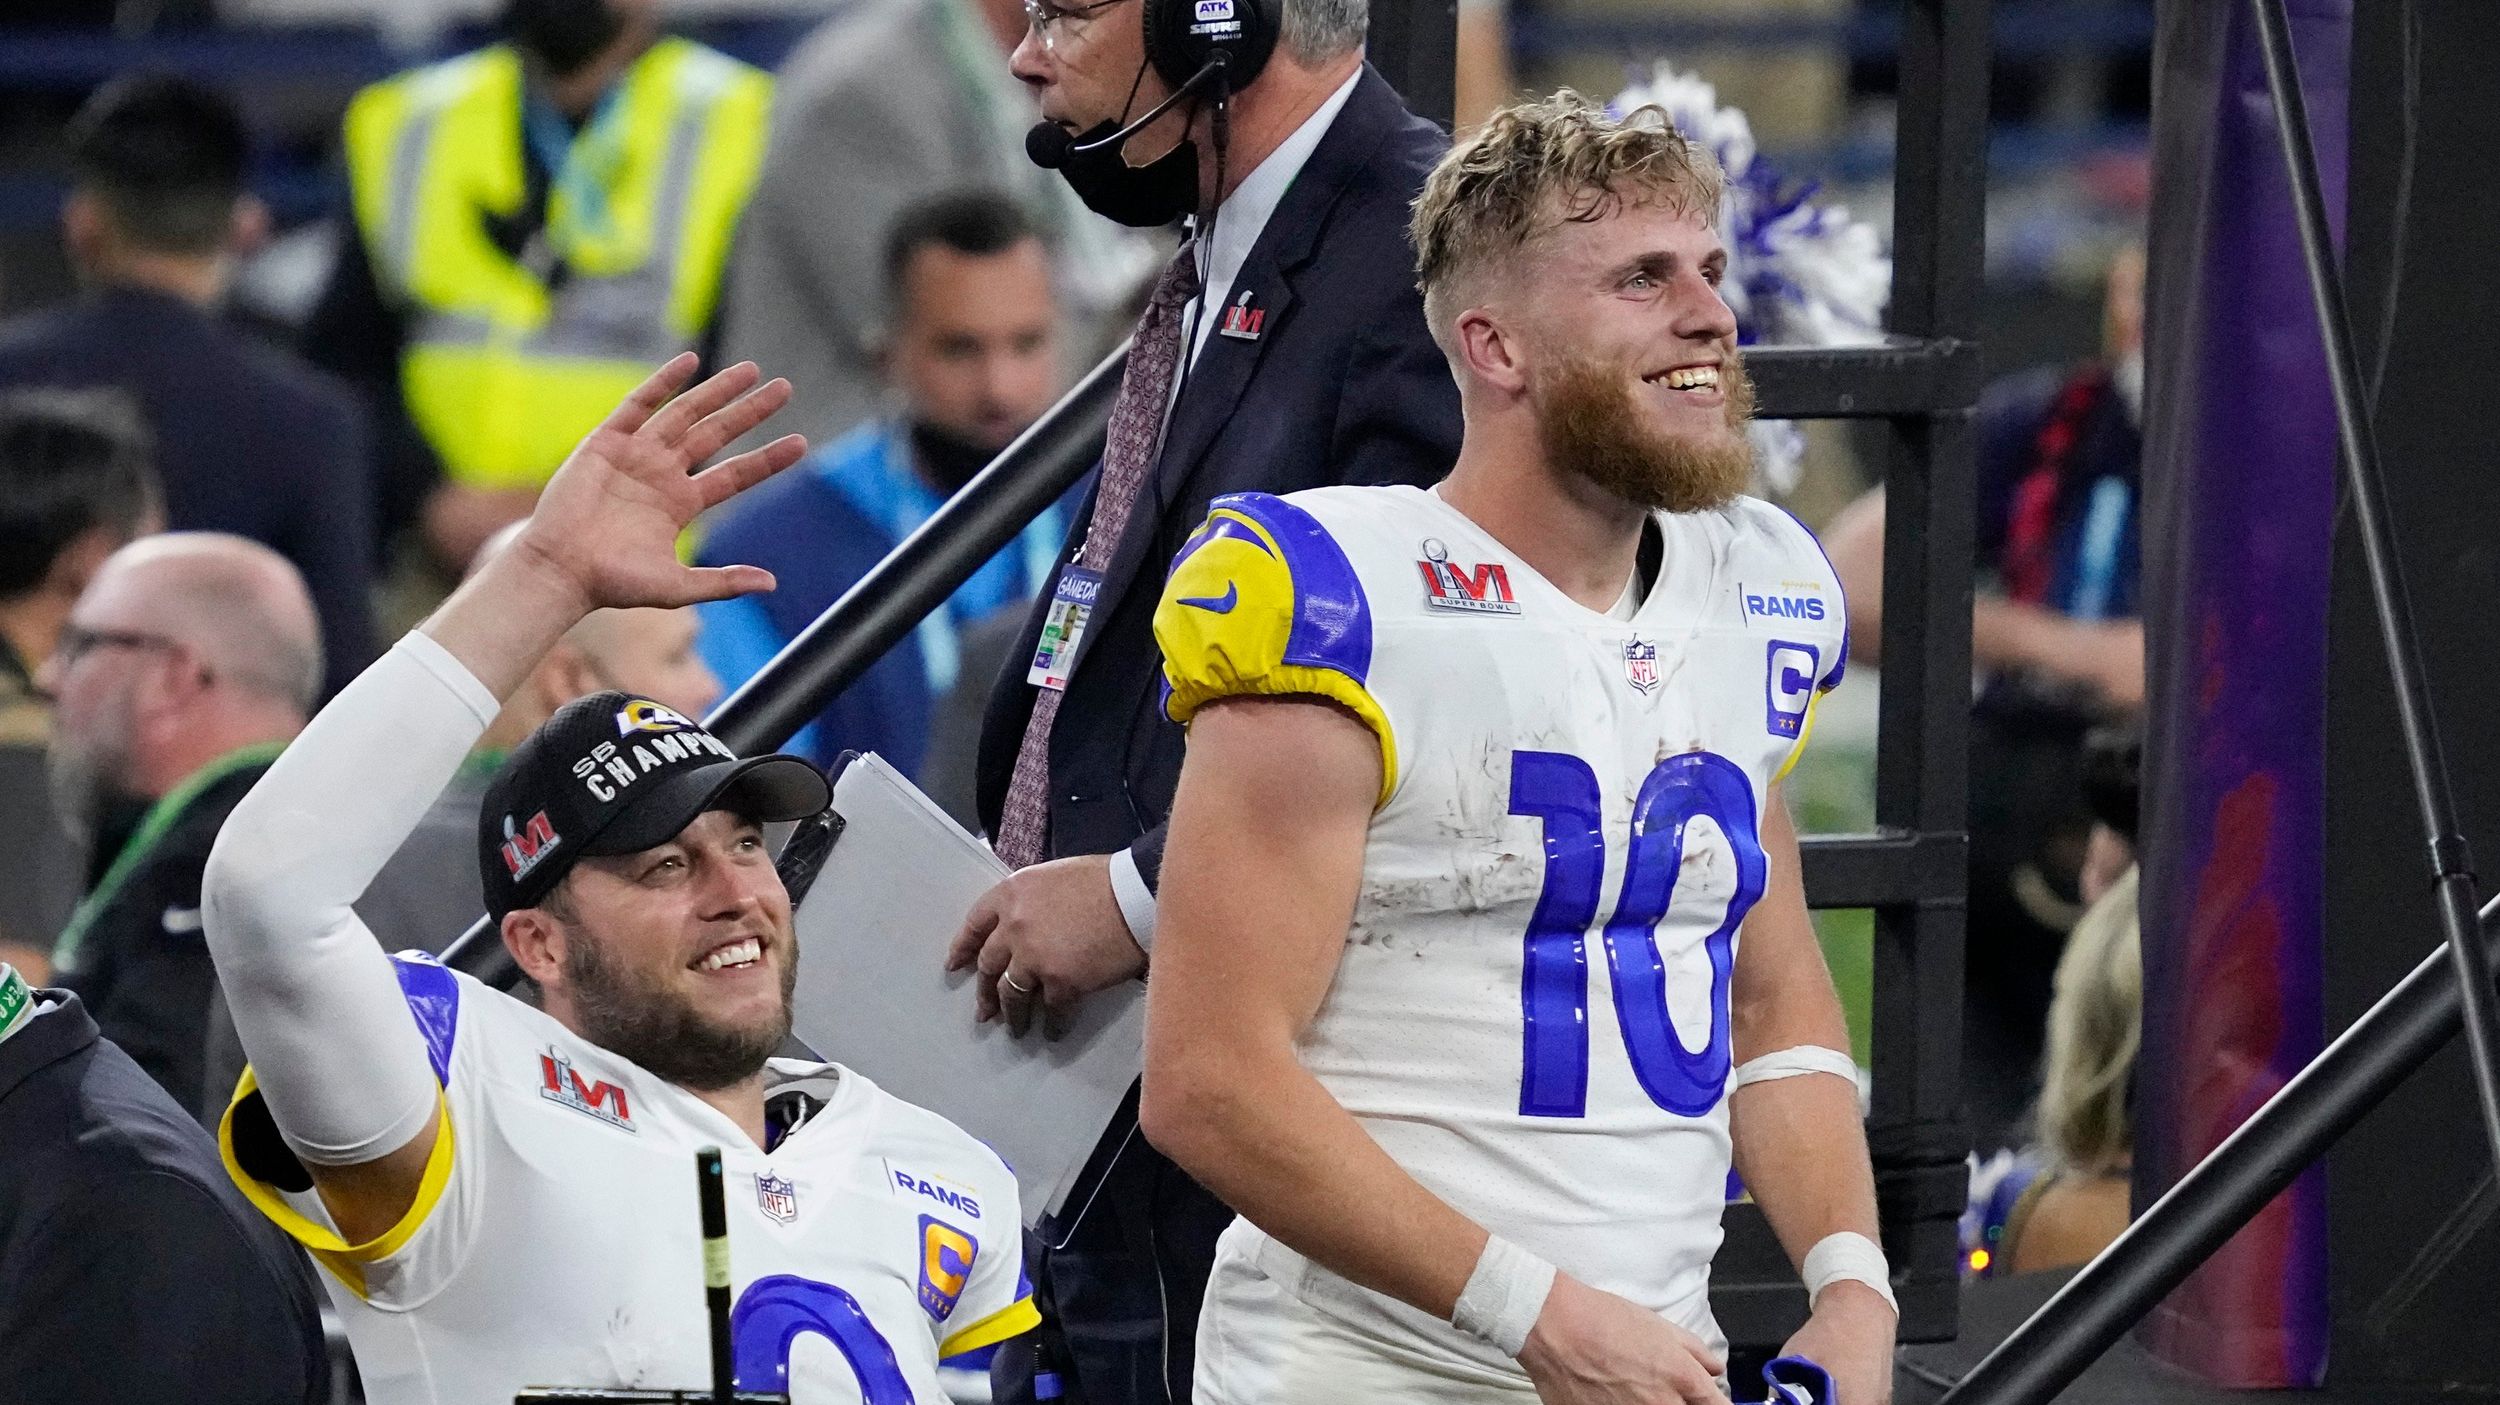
(249, 440)
(1344, 385)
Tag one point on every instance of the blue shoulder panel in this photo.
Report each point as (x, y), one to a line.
(1332, 621)
(433, 996)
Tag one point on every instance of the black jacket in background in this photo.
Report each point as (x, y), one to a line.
(1345, 386)
(249, 440)
(131, 1269)
(143, 965)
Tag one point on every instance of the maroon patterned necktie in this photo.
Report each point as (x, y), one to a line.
(1128, 457)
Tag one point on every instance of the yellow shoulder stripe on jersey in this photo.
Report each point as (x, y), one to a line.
(1262, 602)
(344, 1260)
(1805, 732)
(1015, 1319)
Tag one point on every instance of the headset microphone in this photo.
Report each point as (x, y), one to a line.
(1050, 146)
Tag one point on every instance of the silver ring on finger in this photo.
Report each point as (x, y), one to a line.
(1015, 985)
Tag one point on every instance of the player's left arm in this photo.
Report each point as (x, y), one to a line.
(1799, 1143)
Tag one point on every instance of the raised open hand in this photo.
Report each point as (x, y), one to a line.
(608, 522)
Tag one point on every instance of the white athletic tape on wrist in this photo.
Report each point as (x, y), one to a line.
(1503, 1296)
(1793, 1062)
(1852, 1256)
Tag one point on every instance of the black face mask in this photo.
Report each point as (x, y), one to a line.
(1142, 197)
(947, 459)
(565, 34)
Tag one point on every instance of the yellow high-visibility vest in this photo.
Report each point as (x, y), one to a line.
(503, 374)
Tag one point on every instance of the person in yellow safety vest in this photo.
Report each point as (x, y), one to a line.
(535, 225)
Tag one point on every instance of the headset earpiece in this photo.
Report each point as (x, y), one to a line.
(1184, 36)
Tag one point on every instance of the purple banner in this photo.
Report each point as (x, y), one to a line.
(2240, 456)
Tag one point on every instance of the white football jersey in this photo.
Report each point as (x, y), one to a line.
(1531, 1011)
(556, 1240)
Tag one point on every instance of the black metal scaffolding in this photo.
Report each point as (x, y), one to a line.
(1924, 384)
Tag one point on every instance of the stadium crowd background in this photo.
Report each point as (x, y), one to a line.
(380, 529)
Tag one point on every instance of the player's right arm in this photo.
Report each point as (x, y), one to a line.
(338, 1059)
(1259, 884)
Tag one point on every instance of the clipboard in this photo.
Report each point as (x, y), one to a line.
(873, 994)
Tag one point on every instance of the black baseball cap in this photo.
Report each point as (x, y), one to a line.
(613, 773)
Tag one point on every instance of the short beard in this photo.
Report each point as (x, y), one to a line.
(86, 775)
(624, 1015)
(1592, 430)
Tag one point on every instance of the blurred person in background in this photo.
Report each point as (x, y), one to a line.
(534, 225)
(186, 666)
(2056, 639)
(131, 1268)
(970, 359)
(1486, 77)
(2063, 1200)
(887, 103)
(76, 485)
(248, 439)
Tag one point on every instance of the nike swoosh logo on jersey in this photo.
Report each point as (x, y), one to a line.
(1216, 604)
(182, 921)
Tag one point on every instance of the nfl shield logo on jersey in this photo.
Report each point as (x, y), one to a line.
(1640, 664)
(778, 1197)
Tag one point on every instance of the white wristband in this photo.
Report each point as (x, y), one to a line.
(1795, 1061)
(1136, 900)
(1503, 1296)
(1852, 1256)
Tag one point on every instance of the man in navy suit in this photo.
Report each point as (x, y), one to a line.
(1285, 348)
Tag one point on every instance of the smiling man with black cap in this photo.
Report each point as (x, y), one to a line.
(500, 1192)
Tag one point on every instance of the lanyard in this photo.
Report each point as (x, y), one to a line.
(17, 1003)
(151, 831)
(881, 482)
(577, 165)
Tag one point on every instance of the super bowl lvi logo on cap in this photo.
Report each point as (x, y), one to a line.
(526, 846)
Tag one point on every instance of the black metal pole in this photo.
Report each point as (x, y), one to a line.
(713, 1201)
(1922, 770)
(2452, 867)
(891, 600)
(2224, 1191)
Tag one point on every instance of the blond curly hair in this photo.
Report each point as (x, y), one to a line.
(1531, 168)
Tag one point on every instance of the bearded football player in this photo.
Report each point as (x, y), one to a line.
(1483, 951)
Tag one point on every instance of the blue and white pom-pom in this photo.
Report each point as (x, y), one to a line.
(1801, 272)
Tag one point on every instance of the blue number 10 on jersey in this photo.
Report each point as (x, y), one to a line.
(1562, 791)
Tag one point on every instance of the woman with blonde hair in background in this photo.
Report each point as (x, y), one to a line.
(2079, 1203)
(2067, 1195)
